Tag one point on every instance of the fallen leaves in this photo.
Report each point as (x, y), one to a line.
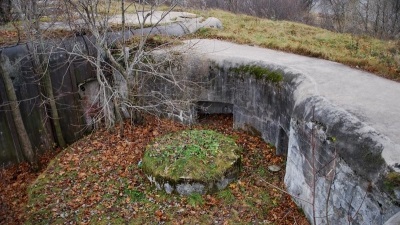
(210, 200)
(13, 189)
(98, 179)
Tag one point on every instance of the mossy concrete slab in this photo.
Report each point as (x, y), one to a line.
(192, 161)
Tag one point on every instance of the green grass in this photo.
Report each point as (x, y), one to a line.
(134, 195)
(392, 181)
(260, 73)
(378, 56)
(226, 195)
(195, 199)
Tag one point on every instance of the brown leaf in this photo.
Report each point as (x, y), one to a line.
(158, 213)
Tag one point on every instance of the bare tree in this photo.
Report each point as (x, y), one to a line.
(40, 51)
(379, 18)
(275, 9)
(383, 18)
(127, 74)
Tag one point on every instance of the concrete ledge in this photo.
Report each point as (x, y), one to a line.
(395, 220)
(338, 126)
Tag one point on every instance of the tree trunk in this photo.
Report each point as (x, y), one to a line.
(19, 124)
(53, 107)
(38, 57)
(5, 11)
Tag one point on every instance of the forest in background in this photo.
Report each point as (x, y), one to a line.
(378, 18)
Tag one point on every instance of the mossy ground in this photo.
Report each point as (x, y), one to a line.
(98, 181)
(199, 155)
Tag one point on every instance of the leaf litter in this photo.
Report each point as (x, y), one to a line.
(98, 180)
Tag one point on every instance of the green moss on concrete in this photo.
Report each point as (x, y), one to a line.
(201, 155)
(260, 72)
(392, 181)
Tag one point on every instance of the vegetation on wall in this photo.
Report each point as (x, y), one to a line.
(392, 181)
(260, 73)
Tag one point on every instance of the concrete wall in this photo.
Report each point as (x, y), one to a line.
(329, 152)
(66, 74)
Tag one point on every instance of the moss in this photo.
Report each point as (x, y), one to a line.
(202, 155)
(392, 181)
(260, 73)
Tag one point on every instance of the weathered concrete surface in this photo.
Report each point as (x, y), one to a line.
(156, 17)
(395, 220)
(166, 23)
(338, 126)
(145, 18)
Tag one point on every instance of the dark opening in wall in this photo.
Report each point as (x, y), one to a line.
(282, 142)
(208, 107)
(218, 111)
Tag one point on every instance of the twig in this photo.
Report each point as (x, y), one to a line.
(280, 189)
(330, 188)
(313, 167)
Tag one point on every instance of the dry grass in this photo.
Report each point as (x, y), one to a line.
(367, 53)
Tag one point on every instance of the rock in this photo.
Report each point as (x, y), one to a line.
(181, 210)
(259, 183)
(274, 168)
(213, 22)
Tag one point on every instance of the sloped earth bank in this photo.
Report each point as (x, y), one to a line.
(14, 182)
(98, 180)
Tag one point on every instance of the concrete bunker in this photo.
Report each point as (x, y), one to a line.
(281, 109)
(297, 122)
